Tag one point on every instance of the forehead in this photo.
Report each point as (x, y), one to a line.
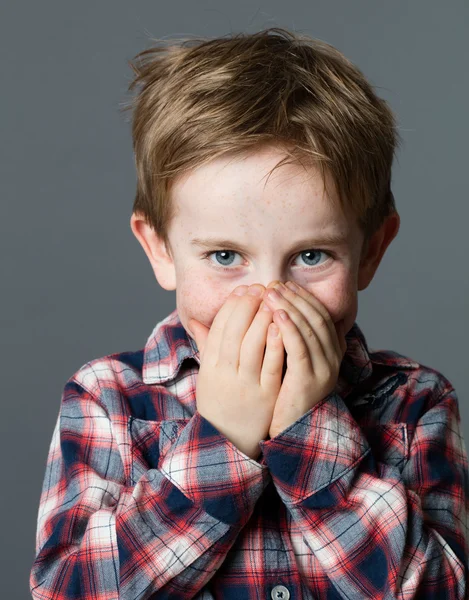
(230, 194)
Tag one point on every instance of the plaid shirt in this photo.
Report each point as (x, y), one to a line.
(365, 496)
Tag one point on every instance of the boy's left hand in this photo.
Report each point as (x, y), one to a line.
(315, 347)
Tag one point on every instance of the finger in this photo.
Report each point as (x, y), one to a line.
(215, 335)
(237, 325)
(319, 306)
(310, 324)
(271, 373)
(254, 342)
(319, 319)
(295, 344)
(260, 351)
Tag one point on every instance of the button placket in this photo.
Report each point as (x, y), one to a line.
(280, 592)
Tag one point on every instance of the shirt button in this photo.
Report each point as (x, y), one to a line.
(280, 592)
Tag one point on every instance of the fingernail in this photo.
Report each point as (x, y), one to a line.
(292, 286)
(255, 291)
(240, 291)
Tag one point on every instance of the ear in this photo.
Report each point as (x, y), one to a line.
(160, 257)
(373, 252)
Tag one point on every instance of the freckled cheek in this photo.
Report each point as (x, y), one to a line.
(199, 300)
(339, 298)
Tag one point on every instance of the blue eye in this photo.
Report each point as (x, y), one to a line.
(219, 252)
(313, 252)
(312, 261)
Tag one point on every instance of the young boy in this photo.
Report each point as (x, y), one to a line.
(221, 460)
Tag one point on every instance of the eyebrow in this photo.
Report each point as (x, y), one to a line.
(332, 239)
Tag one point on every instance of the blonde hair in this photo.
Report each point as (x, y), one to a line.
(200, 98)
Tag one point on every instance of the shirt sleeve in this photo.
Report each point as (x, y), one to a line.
(99, 538)
(376, 530)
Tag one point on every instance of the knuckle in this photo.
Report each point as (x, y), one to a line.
(322, 323)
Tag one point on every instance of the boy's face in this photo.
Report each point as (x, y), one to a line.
(272, 231)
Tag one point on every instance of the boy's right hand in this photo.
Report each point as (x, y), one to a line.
(237, 385)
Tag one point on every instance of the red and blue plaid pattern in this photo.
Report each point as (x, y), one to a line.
(365, 496)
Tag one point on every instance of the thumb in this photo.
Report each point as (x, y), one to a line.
(200, 334)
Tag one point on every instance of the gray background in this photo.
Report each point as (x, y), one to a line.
(76, 285)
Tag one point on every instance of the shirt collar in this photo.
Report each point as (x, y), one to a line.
(169, 346)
